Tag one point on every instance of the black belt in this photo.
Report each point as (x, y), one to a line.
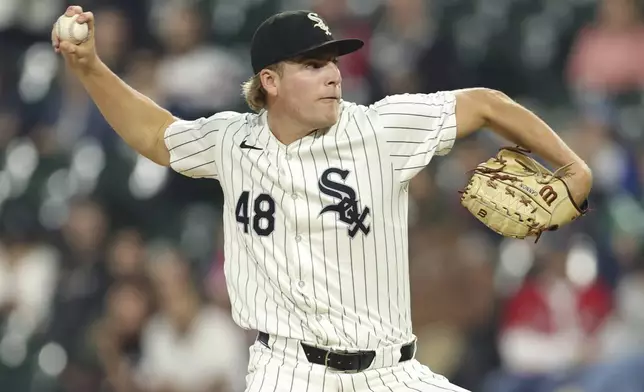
(346, 362)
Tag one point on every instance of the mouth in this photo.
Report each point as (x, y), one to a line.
(331, 99)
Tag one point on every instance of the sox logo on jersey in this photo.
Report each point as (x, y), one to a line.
(347, 208)
(315, 252)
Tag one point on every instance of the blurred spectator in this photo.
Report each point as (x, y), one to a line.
(399, 40)
(28, 273)
(608, 55)
(196, 77)
(188, 346)
(10, 124)
(27, 15)
(452, 297)
(118, 334)
(113, 37)
(608, 159)
(140, 74)
(126, 256)
(65, 116)
(620, 342)
(81, 288)
(622, 335)
(551, 324)
(408, 53)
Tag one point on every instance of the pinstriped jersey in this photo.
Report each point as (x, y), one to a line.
(316, 231)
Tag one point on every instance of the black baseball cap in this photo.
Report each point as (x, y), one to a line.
(294, 33)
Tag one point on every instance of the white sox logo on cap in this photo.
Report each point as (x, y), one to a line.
(319, 22)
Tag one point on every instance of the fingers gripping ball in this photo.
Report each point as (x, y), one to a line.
(516, 197)
(68, 29)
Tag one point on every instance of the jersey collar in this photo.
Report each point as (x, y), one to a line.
(263, 135)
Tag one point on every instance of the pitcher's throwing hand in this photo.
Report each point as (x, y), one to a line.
(79, 52)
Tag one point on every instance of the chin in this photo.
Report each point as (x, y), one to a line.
(324, 116)
(332, 116)
(329, 121)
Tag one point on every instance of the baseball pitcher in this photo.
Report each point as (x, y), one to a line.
(316, 190)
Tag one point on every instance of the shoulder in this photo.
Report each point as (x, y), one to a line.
(436, 98)
(391, 102)
(411, 103)
(214, 122)
(222, 117)
(412, 111)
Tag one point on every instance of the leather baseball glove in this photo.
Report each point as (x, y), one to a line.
(517, 197)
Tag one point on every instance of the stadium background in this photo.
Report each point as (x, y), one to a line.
(106, 256)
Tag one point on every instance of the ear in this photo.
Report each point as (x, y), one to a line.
(270, 81)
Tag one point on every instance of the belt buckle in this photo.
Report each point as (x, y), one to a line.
(326, 358)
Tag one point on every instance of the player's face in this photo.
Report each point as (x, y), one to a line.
(310, 90)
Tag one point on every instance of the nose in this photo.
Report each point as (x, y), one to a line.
(334, 75)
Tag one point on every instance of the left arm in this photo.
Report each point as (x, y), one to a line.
(484, 108)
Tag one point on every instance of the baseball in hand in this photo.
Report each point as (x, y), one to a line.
(67, 29)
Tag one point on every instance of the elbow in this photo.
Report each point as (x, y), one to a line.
(162, 154)
(496, 96)
(494, 108)
(493, 103)
(485, 106)
(585, 175)
(159, 154)
(156, 149)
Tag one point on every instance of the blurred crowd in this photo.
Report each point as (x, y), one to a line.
(110, 266)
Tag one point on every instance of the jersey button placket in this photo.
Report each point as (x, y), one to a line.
(286, 180)
(290, 209)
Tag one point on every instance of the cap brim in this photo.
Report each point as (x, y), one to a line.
(340, 46)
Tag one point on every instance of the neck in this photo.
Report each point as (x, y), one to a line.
(285, 129)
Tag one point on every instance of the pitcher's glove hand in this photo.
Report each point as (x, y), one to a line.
(517, 197)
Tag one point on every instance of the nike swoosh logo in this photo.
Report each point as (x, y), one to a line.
(244, 145)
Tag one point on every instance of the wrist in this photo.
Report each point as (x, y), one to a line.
(580, 180)
(92, 68)
(582, 171)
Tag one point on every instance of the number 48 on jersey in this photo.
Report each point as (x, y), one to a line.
(263, 213)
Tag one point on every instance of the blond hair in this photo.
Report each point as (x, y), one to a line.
(253, 91)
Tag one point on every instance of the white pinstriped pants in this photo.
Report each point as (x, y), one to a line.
(284, 368)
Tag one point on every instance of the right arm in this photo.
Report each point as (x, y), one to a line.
(139, 121)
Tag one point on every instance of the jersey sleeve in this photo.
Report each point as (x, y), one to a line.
(416, 127)
(192, 145)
